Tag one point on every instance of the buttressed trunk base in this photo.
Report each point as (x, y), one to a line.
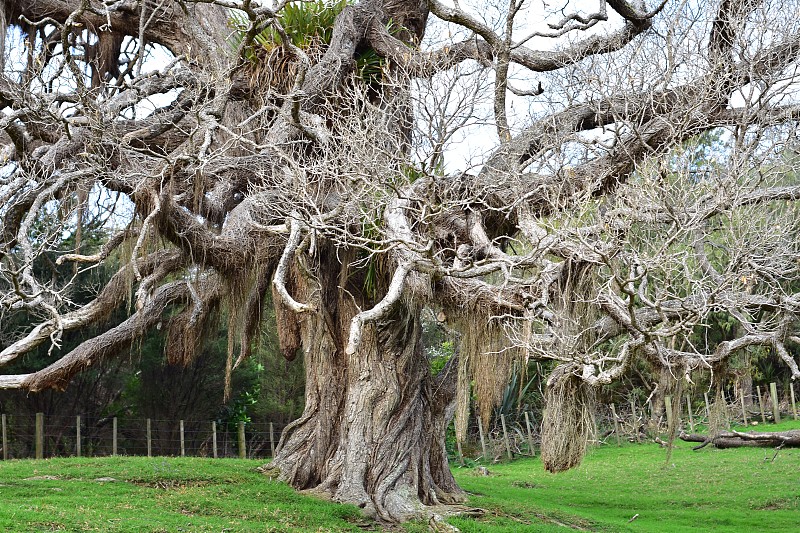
(372, 432)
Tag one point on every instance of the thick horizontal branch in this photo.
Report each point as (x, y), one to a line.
(541, 61)
(181, 30)
(106, 249)
(417, 64)
(110, 343)
(109, 298)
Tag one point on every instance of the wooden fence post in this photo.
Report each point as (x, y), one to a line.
(242, 449)
(668, 409)
(214, 437)
(183, 442)
(5, 438)
(460, 453)
(505, 436)
(761, 404)
(791, 389)
(635, 420)
(530, 435)
(271, 441)
(616, 424)
(776, 412)
(114, 436)
(149, 439)
(744, 409)
(39, 435)
(78, 436)
(483, 440)
(689, 410)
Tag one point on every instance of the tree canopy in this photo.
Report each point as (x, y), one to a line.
(584, 183)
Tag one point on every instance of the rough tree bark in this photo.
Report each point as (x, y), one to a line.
(373, 429)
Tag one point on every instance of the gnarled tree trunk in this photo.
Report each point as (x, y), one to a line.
(372, 432)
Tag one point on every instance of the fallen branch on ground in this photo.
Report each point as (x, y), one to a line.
(737, 439)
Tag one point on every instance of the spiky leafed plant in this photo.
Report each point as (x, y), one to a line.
(309, 26)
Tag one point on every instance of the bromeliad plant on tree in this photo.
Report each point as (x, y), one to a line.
(308, 26)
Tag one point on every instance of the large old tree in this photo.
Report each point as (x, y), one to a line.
(585, 183)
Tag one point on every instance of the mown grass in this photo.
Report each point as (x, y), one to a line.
(748, 489)
(736, 490)
(158, 494)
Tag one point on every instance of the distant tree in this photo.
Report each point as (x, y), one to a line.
(274, 152)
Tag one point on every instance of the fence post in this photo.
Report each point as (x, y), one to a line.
(616, 424)
(791, 389)
(668, 409)
(271, 441)
(214, 438)
(149, 439)
(183, 446)
(78, 436)
(635, 420)
(744, 409)
(776, 412)
(39, 435)
(460, 453)
(5, 438)
(761, 404)
(505, 436)
(689, 410)
(242, 449)
(530, 435)
(114, 436)
(483, 441)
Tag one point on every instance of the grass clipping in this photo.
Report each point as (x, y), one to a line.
(568, 421)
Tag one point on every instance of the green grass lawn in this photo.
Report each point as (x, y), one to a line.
(708, 490)
(736, 490)
(158, 494)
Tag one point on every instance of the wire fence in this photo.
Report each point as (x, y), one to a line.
(519, 434)
(44, 436)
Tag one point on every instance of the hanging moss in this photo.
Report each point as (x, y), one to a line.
(486, 360)
(568, 421)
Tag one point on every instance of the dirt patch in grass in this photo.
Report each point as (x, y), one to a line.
(779, 504)
(171, 484)
(48, 526)
(525, 484)
(571, 522)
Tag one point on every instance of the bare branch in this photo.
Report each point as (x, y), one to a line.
(380, 309)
